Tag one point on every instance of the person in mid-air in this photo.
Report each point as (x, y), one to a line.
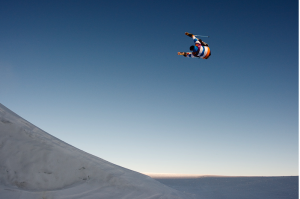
(200, 49)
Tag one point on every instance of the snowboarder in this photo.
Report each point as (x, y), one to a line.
(200, 49)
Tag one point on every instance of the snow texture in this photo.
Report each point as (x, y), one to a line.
(217, 187)
(36, 165)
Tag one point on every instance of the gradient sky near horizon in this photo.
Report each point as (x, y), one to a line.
(105, 77)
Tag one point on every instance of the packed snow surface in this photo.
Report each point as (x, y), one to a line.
(36, 165)
(226, 187)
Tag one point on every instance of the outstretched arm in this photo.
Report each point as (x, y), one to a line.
(195, 39)
(186, 54)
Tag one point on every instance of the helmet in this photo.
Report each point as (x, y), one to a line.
(192, 48)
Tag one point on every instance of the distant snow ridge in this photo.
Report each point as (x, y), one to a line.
(34, 164)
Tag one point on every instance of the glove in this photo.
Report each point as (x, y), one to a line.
(189, 34)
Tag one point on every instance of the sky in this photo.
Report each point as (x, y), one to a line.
(105, 77)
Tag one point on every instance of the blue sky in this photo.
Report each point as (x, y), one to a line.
(105, 77)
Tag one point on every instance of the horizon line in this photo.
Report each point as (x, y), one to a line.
(178, 175)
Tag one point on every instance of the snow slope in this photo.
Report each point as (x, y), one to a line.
(34, 164)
